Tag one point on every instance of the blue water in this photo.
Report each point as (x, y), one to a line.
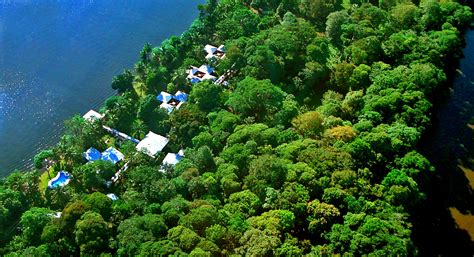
(62, 180)
(57, 58)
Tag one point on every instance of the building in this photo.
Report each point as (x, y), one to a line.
(164, 97)
(152, 144)
(180, 97)
(92, 154)
(112, 197)
(92, 115)
(113, 155)
(168, 107)
(214, 52)
(171, 102)
(204, 72)
(171, 159)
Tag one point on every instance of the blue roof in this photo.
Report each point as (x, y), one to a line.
(92, 154)
(195, 80)
(206, 69)
(164, 97)
(181, 96)
(113, 155)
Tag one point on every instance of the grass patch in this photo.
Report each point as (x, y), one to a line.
(44, 178)
(140, 89)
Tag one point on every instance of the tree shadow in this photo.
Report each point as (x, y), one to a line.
(435, 231)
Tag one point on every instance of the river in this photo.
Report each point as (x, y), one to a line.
(58, 57)
(444, 224)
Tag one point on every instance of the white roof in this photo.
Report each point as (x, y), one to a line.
(152, 144)
(209, 56)
(56, 215)
(210, 49)
(168, 107)
(92, 115)
(172, 159)
(113, 197)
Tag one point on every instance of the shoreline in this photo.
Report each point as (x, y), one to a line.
(52, 138)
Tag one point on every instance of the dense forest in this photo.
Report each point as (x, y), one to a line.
(309, 149)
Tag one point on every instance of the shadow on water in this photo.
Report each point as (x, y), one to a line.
(441, 224)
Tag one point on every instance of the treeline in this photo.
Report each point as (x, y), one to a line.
(309, 150)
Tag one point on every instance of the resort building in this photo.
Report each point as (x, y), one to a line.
(113, 197)
(204, 72)
(113, 155)
(214, 52)
(92, 154)
(152, 144)
(92, 115)
(180, 97)
(171, 159)
(168, 107)
(171, 102)
(164, 97)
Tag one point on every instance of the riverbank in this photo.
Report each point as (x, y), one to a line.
(43, 82)
(443, 224)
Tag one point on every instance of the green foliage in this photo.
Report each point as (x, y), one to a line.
(135, 231)
(100, 204)
(256, 98)
(206, 95)
(123, 82)
(152, 115)
(309, 124)
(39, 158)
(32, 223)
(91, 234)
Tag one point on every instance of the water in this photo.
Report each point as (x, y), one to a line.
(62, 179)
(57, 59)
(441, 224)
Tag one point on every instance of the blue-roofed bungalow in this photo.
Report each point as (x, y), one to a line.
(113, 155)
(204, 72)
(180, 96)
(206, 69)
(194, 80)
(214, 52)
(164, 97)
(92, 154)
